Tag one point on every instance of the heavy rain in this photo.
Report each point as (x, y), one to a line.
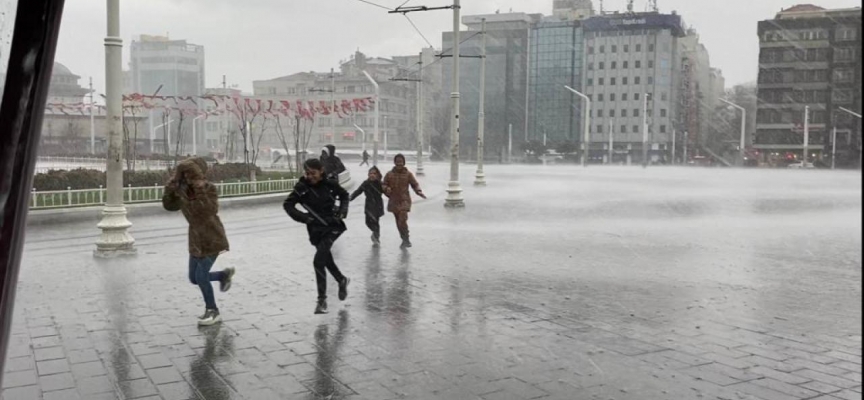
(605, 200)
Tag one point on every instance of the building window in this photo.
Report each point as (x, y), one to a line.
(626, 48)
(842, 75)
(650, 80)
(624, 66)
(841, 95)
(662, 128)
(844, 54)
(844, 34)
(637, 80)
(635, 112)
(624, 95)
(635, 128)
(600, 113)
(612, 111)
(663, 96)
(349, 89)
(614, 64)
(590, 49)
(662, 113)
(624, 80)
(623, 129)
(600, 81)
(591, 66)
(650, 47)
(650, 63)
(638, 49)
(600, 65)
(612, 98)
(635, 96)
(614, 48)
(599, 128)
(602, 49)
(590, 82)
(600, 97)
(638, 64)
(612, 81)
(623, 113)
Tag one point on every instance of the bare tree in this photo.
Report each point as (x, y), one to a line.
(178, 146)
(166, 147)
(70, 137)
(130, 136)
(283, 139)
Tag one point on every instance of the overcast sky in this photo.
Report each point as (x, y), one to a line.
(261, 39)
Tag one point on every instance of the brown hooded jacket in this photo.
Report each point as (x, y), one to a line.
(198, 200)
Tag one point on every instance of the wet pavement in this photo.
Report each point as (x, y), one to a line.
(554, 282)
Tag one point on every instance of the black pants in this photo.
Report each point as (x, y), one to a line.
(372, 224)
(324, 261)
(364, 162)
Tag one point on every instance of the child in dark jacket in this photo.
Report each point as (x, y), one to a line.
(374, 204)
(324, 223)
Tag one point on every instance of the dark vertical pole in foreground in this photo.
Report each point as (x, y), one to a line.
(37, 24)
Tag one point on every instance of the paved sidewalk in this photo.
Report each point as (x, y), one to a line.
(601, 283)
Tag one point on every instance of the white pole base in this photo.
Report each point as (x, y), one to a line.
(480, 179)
(454, 196)
(115, 239)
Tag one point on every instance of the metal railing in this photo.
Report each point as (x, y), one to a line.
(149, 194)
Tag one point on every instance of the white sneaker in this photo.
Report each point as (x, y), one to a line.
(210, 317)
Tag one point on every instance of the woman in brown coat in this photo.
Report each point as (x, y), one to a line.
(190, 192)
(395, 185)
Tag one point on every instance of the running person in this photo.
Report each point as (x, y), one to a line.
(324, 223)
(395, 185)
(190, 192)
(365, 158)
(374, 204)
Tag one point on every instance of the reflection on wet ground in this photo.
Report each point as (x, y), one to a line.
(553, 283)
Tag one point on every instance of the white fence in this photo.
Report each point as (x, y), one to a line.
(96, 197)
(149, 194)
(45, 164)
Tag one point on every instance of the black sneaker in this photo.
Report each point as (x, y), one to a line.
(225, 282)
(210, 317)
(405, 243)
(343, 288)
(321, 308)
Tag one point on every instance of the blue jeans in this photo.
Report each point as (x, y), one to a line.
(199, 274)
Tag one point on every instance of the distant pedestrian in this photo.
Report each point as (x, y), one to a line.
(395, 185)
(332, 163)
(365, 158)
(324, 223)
(374, 208)
(190, 192)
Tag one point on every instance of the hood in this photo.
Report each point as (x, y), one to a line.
(331, 149)
(195, 166)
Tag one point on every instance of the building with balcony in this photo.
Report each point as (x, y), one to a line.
(809, 57)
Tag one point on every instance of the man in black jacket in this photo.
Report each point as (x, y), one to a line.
(324, 223)
(332, 164)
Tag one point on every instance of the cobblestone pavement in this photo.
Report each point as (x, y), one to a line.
(553, 283)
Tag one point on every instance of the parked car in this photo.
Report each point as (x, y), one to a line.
(799, 165)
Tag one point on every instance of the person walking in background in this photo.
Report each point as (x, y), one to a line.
(395, 186)
(324, 223)
(190, 192)
(365, 158)
(332, 164)
(374, 203)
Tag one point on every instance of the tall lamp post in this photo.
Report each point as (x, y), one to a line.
(115, 239)
(586, 122)
(454, 190)
(377, 114)
(480, 177)
(743, 128)
(856, 115)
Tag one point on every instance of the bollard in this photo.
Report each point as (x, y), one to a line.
(101, 201)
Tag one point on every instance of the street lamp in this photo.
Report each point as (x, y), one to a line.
(115, 239)
(153, 134)
(194, 134)
(586, 121)
(856, 115)
(743, 127)
(454, 189)
(480, 177)
(377, 107)
(363, 133)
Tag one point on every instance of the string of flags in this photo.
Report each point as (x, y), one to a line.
(241, 107)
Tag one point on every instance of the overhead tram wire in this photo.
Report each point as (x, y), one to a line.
(417, 29)
(376, 5)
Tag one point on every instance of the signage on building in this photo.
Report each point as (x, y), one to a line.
(649, 21)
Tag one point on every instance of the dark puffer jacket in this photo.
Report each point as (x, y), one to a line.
(198, 200)
(322, 216)
(332, 164)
